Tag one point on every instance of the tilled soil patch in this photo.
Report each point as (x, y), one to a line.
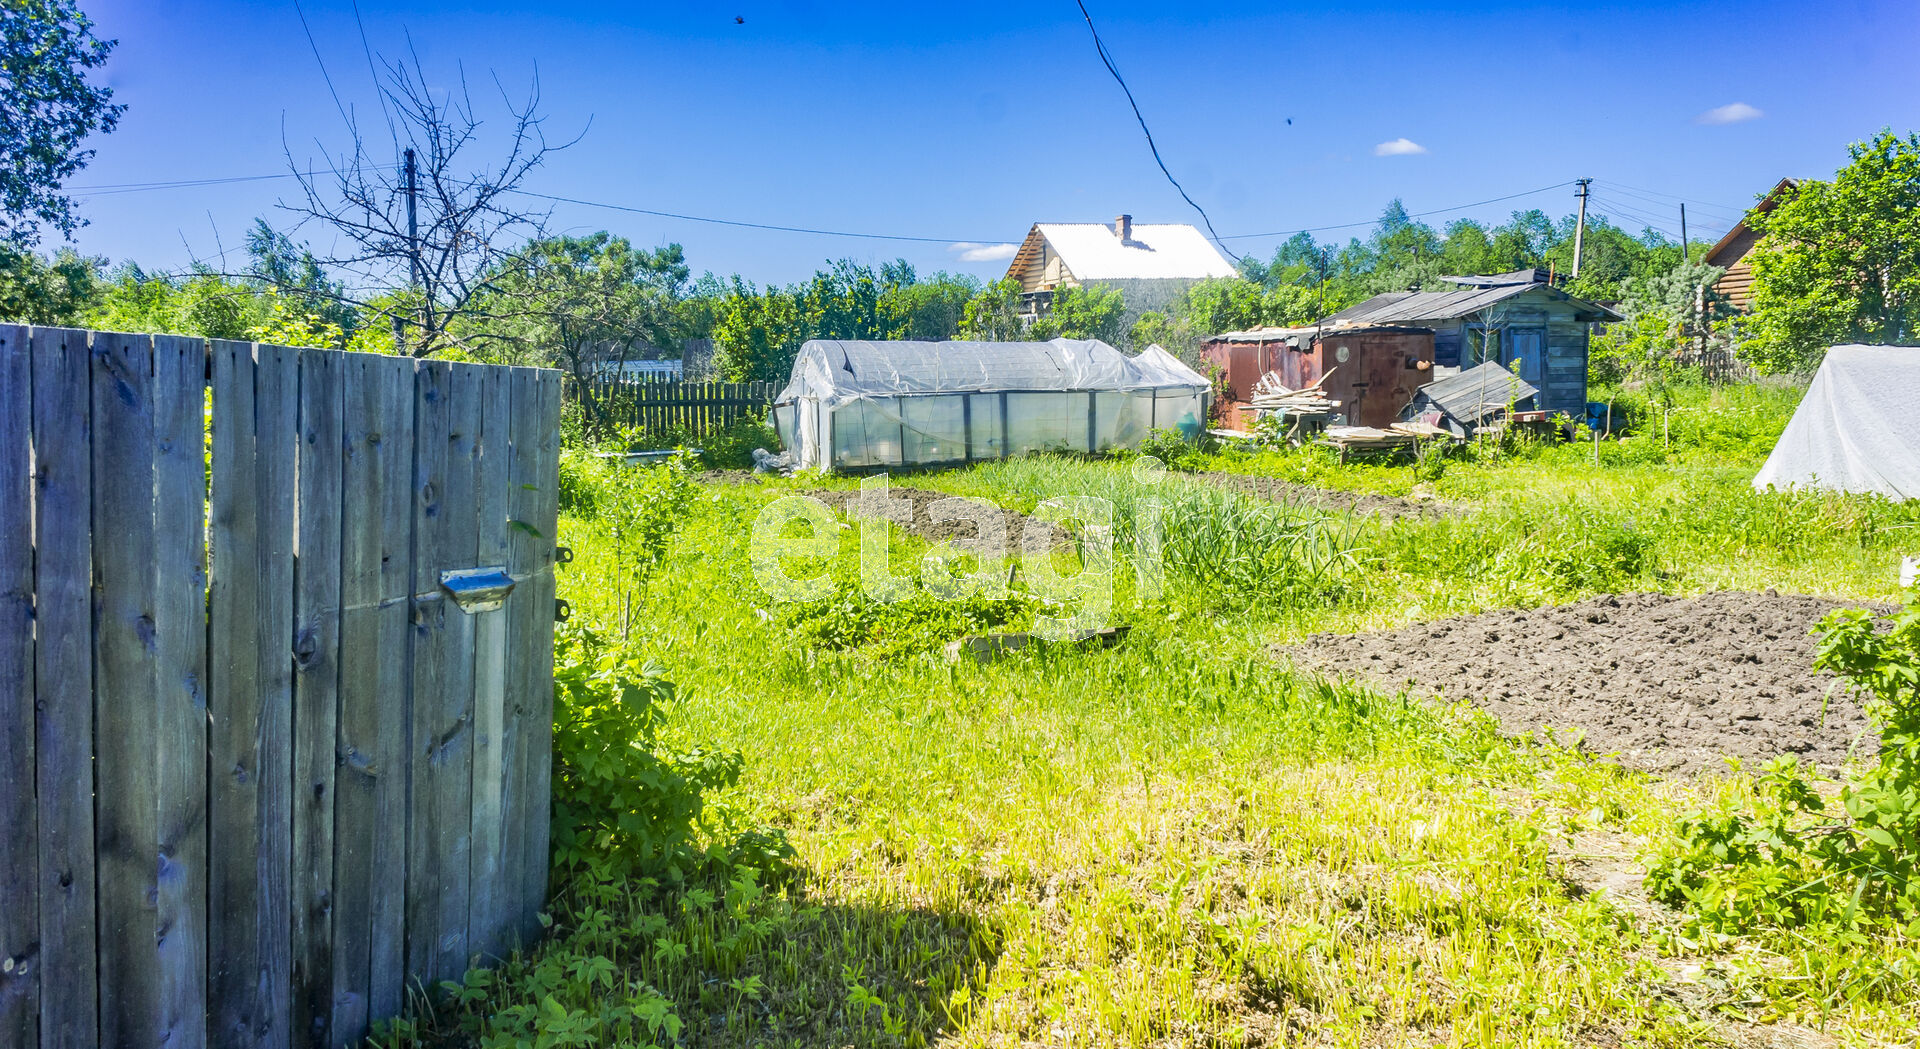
(960, 532)
(1386, 507)
(1668, 684)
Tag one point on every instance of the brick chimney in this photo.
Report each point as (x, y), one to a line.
(1123, 228)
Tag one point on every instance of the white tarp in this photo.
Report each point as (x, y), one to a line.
(859, 404)
(1858, 427)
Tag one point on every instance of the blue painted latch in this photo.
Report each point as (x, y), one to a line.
(477, 589)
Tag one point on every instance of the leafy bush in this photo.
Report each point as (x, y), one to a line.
(1172, 448)
(622, 802)
(1785, 858)
(1605, 557)
(851, 620)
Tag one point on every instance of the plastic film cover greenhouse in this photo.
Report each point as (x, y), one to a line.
(862, 404)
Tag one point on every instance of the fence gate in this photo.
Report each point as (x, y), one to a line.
(258, 767)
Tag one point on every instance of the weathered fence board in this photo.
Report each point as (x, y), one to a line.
(263, 773)
(489, 913)
(125, 767)
(316, 691)
(19, 821)
(180, 674)
(63, 683)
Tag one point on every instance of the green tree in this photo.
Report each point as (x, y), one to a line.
(1089, 312)
(578, 302)
(993, 315)
(37, 290)
(1839, 261)
(47, 109)
(197, 303)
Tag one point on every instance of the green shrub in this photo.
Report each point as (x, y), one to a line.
(1172, 448)
(1784, 857)
(622, 802)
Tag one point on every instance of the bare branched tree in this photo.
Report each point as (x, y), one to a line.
(460, 223)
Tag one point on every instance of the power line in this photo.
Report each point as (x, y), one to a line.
(1631, 191)
(1669, 205)
(747, 225)
(1415, 215)
(1107, 59)
(324, 75)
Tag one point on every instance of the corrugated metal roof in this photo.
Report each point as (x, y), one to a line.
(1476, 392)
(1092, 252)
(1410, 307)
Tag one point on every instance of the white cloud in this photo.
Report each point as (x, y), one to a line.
(1732, 113)
(1399, 147)
(970, 252)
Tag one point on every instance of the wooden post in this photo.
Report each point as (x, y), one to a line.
(19, 818)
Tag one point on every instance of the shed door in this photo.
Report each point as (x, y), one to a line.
(1530, 349)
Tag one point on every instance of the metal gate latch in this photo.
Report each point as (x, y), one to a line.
(477, 589)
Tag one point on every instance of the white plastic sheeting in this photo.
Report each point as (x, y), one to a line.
(1858, 427)
(863, 404)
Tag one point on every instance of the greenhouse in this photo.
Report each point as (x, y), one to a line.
(851, 405)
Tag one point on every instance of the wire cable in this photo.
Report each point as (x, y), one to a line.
(324, 75)
(1415, 215)
(1107, 60)
(1670, 196)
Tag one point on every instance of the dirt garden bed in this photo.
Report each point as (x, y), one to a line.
(1386, 507)
(1669, 684)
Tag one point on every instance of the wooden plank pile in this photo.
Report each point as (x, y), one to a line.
(1271, 396)
(1398, 437)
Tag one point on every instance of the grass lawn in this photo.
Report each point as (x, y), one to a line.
(1175, 841)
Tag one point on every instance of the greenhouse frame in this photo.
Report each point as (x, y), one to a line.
(855, 405)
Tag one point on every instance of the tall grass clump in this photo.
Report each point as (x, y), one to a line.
(1238, 548)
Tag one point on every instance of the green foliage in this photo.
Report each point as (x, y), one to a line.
(47, 49)
(1782, 857)
(38, 290)
(851, 620)
(200, 303)
(1836, 262)
(622, 802)
(575, 303)
(1173, 448)
(1091, 312)
(756, 334)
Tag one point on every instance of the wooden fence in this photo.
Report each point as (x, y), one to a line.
(257, 770)
(693, 408)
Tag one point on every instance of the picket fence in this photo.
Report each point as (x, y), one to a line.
(258, 771)
(662, 407)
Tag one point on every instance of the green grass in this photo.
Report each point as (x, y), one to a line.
(1174, 841)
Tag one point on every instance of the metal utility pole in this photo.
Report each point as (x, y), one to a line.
(1579, 226)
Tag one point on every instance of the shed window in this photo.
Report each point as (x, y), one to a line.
(1483, 345)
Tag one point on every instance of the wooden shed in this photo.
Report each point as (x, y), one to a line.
(1372, 371)
(1505, 318)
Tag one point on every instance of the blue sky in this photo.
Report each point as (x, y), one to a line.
(968, 122)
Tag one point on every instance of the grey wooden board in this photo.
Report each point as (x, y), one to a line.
(179, 666)
(124, 756)
(488, 915)
(446, 417)
(316, 692)
(238, 996)
(63, 734)
(276, 436)
(536, 648)
(525, 540)
(370, 819)
(19, 816)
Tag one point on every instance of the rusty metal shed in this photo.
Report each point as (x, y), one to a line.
(1372, 371)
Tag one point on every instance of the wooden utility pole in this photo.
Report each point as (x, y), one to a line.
(413, 245)
(1579, 226)
(1683, 233)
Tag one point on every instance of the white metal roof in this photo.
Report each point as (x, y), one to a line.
(1160, 251)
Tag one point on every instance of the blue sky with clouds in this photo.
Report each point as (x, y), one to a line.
(967, 122)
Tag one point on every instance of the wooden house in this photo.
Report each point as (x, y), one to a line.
(1731, 252)
(1151, 265)
(1506, 317)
